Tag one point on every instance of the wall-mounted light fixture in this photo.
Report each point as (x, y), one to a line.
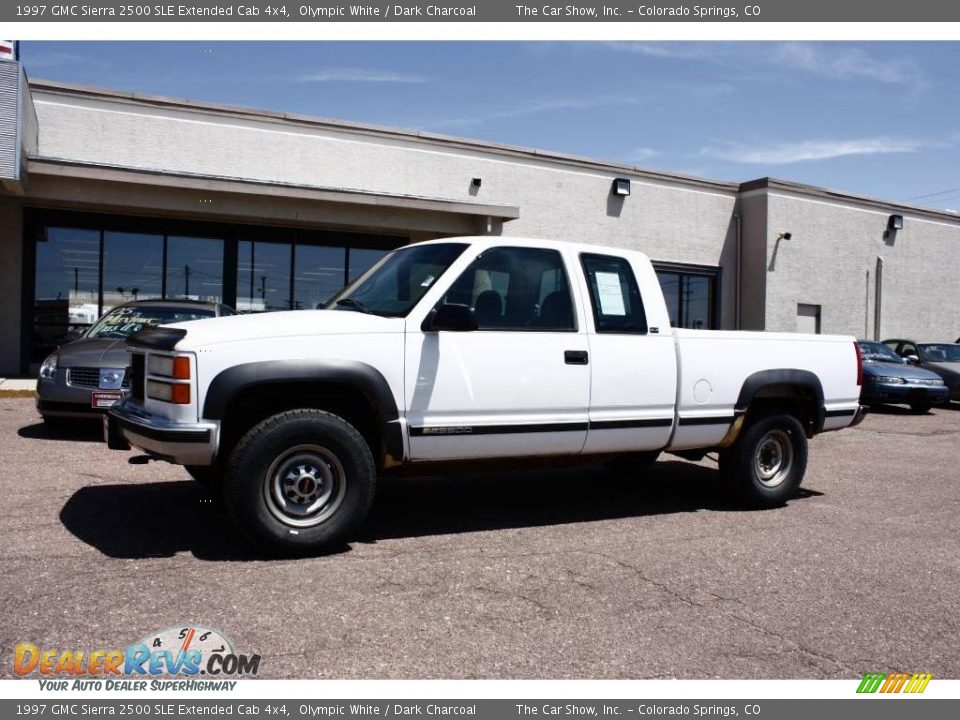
(621, 187)
(895, 222)
(476, 182)
(785, 236)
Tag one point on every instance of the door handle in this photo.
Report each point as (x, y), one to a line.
(575, 357)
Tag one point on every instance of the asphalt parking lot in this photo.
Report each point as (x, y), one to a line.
(573, 573)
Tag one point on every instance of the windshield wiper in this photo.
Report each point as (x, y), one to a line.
(353, 304)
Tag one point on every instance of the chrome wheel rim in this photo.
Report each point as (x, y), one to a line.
(304, 486)
(773, 458)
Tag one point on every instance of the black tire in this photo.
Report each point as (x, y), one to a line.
(210, 476)
(767, 463)
(300, 482)
(633, 465)
(921, 407)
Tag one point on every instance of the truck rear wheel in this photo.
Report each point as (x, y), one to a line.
(767, 464)
(300, 482)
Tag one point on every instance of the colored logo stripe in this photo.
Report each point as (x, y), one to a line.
(894, 682)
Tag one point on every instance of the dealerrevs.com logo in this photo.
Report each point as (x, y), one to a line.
(909, 683)
(188, 652)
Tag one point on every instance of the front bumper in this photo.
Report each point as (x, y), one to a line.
(57, 398)
(906, 394)
(127, 425)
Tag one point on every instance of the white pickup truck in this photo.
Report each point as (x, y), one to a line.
(472, 349)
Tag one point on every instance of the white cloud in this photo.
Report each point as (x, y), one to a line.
(844, 63)
(361, 75)
(707, 52)
(533, 109)
(811, 150)
(642, 153)
(838, 61)
(47, 60)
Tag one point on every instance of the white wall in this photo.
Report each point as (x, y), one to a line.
(672, 222)
(833, 248)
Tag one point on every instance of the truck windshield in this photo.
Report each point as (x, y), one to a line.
(395, 284)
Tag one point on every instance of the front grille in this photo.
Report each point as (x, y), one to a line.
(137, 373)
(89, 377)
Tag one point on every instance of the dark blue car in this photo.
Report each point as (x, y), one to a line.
(888, 378)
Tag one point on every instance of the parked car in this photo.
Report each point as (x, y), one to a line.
(888, 378)
(87, 375)
(470, 350)
(941, 358)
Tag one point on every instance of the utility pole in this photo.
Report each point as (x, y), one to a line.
(186, 280)
(76, 281)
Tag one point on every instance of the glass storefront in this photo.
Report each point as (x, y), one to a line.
(263, 276)
(84, 265)
(194, 268)
(132, 268)
(319, 274)
(690, 296)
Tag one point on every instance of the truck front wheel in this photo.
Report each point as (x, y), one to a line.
(300, 482)
(767, 463)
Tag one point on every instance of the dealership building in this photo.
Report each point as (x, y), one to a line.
(108, 196)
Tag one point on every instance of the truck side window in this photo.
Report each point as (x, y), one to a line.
(512, 288)
(614, 295)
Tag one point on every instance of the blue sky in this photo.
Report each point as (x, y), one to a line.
(877, 118)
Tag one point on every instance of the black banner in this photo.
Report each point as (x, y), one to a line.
(613, 11)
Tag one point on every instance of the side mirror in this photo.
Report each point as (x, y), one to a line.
(449, 316)
(912, 359)
(72, 335)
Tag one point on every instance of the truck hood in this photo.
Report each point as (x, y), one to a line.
(291, 323)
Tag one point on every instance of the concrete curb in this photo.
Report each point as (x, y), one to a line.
(18, 387)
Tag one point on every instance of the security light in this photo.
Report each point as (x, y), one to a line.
(785, 236)
(895, 222)
(621, 187)
(476, 182)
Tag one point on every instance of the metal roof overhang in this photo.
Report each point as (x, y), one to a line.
(62, 183)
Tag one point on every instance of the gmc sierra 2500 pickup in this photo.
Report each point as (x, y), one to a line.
(475, 348)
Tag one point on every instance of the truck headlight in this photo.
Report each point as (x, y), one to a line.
(48, 370)
(171, 367)
(176, 393)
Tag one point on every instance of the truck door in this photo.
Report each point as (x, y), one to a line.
(517, 385)
(633, 366)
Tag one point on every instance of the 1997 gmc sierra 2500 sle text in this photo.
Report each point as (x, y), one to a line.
(475, 348)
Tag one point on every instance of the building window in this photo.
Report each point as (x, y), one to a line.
(66, 286)
(194, 268)
(85, 264)
(318, 275)
(690, 294)
(132, 268)
(263, 276)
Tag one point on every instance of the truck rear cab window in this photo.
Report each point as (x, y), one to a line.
(614, 295)
(516, 288)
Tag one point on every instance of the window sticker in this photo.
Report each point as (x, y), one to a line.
(609, 294)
